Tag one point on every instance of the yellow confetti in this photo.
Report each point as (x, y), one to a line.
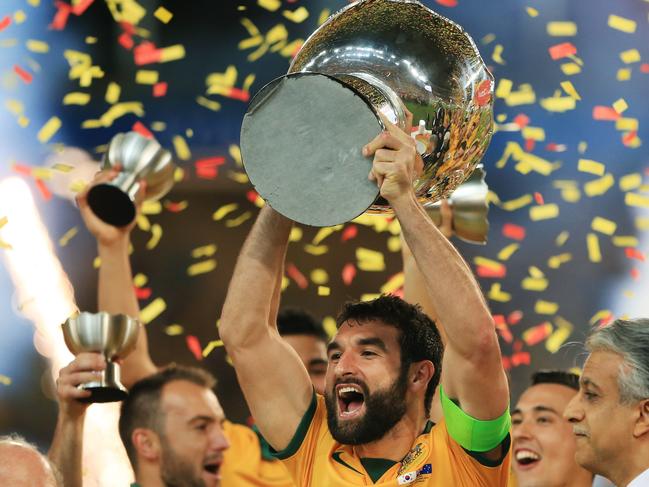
(534, 133)
(535, 284)
(239, 177)
(570, 90)
(151, 311)
(181, 148)
(39, 47)
(91, 40)
(156, 234)
(67, 236)
(370, 260)
(393, 284)
(329, 324)
(296, 234)
(235, 153)
(146, 77)
(625, 241)
(204, 251)
(602, 225)
(324, 291)
(636, 200)
(622, 24)
(271, 5)
(96, 263)
(523, 96)
(594, 252)
(484, 262)
(508, 251)
(140, 280)
(113, 113)
(642, 223)
(394, 244)
(316, 249)
(626, 124)
(630, 56)
(201, 267)
(49, 129)
(559, 104)
(532, 12)
(562, 238)
(112, 93)
(76, 98)
(623, 74)
(172, 53)
(174, 330)
(207, 103)
(235, 222)
(545, 307)
(497, 55)
(561, 29)
(151, 207)
(603, 314)
(42, 173)
(20, 17)
(5, 380)
(126, 11)
(319, 276)
(34, 3)
(213, 345)
(518, 203)
(143, 222)
(504, 88)
(560, 335)
(620, 105)
(369, 296)
(497, 294)
(163, 15)
(544, 212)
(298, 15)
(591, 167)
(599, 186)
(324, 232)
(570, 69)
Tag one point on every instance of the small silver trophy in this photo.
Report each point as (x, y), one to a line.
(115, 337)
(470, 209)
(138, 158)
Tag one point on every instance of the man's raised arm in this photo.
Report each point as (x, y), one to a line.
(116, 294)
(472, 372)
(271, 375)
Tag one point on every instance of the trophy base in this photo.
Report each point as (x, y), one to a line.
(103, 394)
(111, 204)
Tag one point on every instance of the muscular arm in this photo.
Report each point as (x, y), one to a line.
(273, 379)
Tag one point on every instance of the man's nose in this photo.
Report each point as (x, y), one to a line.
(573, 412)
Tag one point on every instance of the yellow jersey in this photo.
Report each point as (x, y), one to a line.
(315, 459)
(246, 465)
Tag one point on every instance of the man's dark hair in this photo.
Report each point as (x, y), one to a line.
(141, 408)
(419, 338)
(296, 321)
(561, 377)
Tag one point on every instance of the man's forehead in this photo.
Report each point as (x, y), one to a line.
(186, 400)
(553, 396)
(358, 329)
(601, 368)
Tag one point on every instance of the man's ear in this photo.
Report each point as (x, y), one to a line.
(642, 423)
(421, 374)
(147, 444)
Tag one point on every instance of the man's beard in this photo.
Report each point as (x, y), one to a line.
(383, 410)
(176, 471)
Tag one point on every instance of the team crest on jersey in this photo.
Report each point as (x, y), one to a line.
(410, 477)
(418, 453)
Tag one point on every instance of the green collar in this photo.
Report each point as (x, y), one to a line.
(376, 467)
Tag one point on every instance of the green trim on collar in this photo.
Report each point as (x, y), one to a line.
(428, 427)
(336, 457)
(266, 449)
(376, 467)
(300, 433)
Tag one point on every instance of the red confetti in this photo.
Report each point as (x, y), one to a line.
(61, 17)
(605, 113)
(350, 232)
(529, 145)
(552, 147)
(24, 75)
(632, 253)
(630, 137)
(521, 358)
(559, 51)
(518, 346)
(174, 207)
(127, 27)
(142, 293)
(635, 274)
(252, 195)
(208, 168)
(43, 189)
(141, 129)
(126, 41)
(160, 89)
(147, 53)
(5, 22)
(507, 363)
(349, 273)
(514, 232)
(514, 317)
(447, 3)
(239, 94)
(503, 329)
(295, 274)
(644, 67)
(537, 334)
(194, 346)
(81, 7)
(22, 169)
(491, 271)
(522, 120)
(538, 197)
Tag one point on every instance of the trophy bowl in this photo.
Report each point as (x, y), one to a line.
(114, 336)
(302, 135)
(138, 158)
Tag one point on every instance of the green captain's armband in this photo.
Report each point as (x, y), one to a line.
(470, 433)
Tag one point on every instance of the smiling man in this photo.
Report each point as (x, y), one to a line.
(384, 361)
(544, 446)
(610, 414)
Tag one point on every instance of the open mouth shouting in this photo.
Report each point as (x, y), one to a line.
(526, 459)
(212, 469)
(351, 400)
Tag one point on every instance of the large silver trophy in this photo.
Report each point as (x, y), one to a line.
(302, 135)
(115, 337)
(138, 158)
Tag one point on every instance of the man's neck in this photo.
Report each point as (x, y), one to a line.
(625, 471)
(397, 442)
(147, 477)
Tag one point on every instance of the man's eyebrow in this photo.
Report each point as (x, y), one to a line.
(317, 361)
(333, 346)
(545, 409)
(377, 342)
(516, 411)
(586, 382)
(201, 417)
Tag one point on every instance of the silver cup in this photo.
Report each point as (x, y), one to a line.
(302, 135)
(139, 158)
(114, 336)
(470, 209)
